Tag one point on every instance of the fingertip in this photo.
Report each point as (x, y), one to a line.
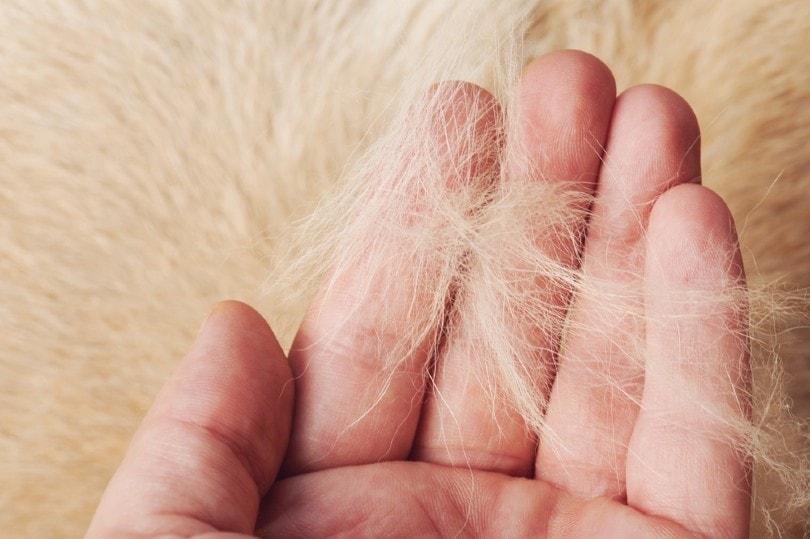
(654, 100)
(235, 332)
(656, 134)
(574, 69)
(574, 80)
(564, 105)
(692, 236)
(238, 315)
(465, 127)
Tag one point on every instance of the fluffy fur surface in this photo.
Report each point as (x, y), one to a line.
(158, 156)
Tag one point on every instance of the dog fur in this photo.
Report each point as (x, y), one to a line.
(153, 156)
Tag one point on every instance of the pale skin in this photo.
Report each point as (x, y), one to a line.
(244, 441)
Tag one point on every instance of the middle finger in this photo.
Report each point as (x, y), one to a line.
(509, 315)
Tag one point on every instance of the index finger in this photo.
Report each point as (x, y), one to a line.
(361, 354)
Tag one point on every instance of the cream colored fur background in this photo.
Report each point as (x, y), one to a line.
(152, 154)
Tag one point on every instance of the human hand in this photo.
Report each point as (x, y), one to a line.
(240, 441)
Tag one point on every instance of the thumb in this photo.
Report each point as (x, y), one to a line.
(212, 443)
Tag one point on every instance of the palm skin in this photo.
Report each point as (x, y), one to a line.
(222, 452)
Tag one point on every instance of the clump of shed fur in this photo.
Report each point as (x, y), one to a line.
(153, 153)
(470, 236)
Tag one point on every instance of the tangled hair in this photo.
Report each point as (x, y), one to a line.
(158, 156)
(459, 216)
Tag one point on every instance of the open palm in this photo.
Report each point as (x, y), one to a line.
(329, 443)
